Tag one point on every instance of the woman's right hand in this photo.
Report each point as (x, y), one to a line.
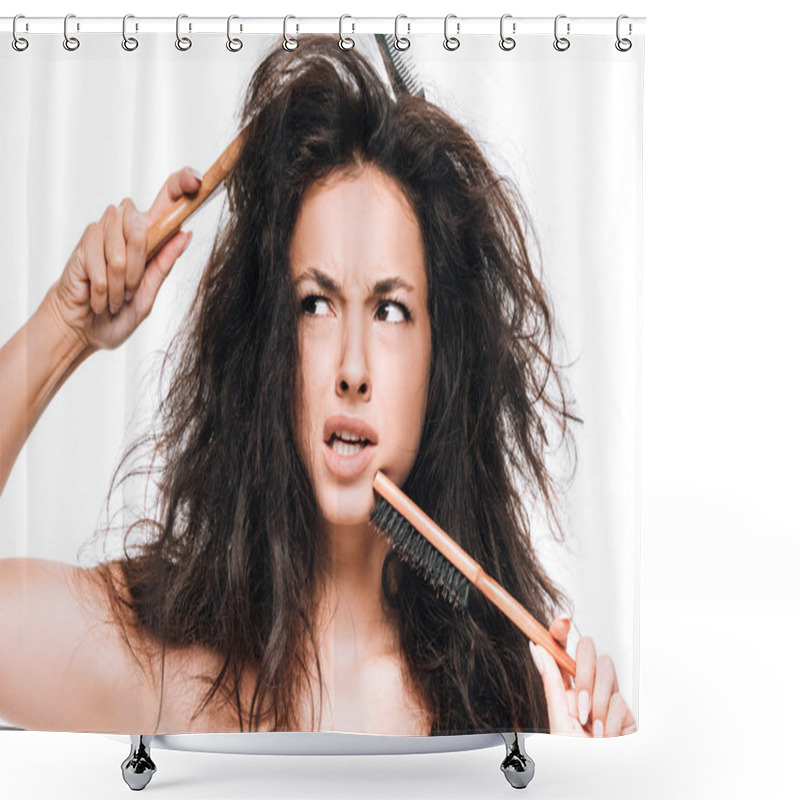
(106, 289)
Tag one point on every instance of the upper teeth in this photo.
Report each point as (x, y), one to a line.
(347, 437)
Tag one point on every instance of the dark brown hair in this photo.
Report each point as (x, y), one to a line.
(231, 559)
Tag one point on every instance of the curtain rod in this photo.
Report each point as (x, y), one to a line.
(407, 25)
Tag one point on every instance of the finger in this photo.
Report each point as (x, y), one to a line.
(185, 181)
(585, 665)
(556, 696)
(116, 257)
(572, 703)
(619, 720)
(605, 685)
(632, 728)
(95, 265)
(157, 270)
(559, 630)
(134, 228)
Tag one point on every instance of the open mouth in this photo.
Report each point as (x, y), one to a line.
(347, 446)
(350, 443)
(348, 459)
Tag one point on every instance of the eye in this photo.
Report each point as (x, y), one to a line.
(309, 304)
(392, 311)
(401, 312)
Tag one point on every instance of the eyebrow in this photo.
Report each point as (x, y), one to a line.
(329, 284)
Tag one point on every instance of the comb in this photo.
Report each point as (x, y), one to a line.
(167, 224)
(400, 67)
(403, 79)
(421, 543)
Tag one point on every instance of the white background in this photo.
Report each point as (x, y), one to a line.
(719, 602)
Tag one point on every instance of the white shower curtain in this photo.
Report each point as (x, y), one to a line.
(81, 130)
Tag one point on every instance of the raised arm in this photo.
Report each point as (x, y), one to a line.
(105, 291)
(63, 658)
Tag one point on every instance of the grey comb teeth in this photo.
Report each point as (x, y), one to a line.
(416, 551)
(399, 65)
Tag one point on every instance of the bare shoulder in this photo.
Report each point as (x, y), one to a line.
(73, 660)
(161, 687)
(64, 661)
(167, 684)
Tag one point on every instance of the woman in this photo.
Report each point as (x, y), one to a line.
(369, 304)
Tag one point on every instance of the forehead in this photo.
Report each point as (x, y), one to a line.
(358, 227)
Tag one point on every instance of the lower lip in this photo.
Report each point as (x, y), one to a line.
(347, 466)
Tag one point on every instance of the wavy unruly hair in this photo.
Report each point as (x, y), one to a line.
(231, 559)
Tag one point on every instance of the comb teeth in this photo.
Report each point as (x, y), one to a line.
(416, 551)
(399, 65)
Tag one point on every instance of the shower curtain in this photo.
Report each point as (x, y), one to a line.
(559, 121)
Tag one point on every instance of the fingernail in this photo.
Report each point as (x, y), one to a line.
(583, 706)
(597, 729)
(197, 174)
(114, 311)
(186, 243)
(537, 659)
(128, 296)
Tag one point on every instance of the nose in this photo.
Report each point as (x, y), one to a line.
(353, 375)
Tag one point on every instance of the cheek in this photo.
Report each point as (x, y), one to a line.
(314, 363)
(404, 389)
(313, 368)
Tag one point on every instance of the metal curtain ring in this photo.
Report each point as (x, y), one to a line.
(19, 43)
(70, 42)
(234, 45)
(451, 42)
(561, 43)
(401, 42)
(623, 45)
(288, 42)
(345, 42)
(506, 42)
(129, 43)
(182, 42)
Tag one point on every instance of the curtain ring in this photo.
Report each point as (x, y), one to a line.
(234, 45)
(623, 45)
(345, 42)
(506, 42)
(451, 42)
(561, 43)
(129, 43)
(70, 42)
(401, 42)
(19, 43)
(288, 42)
(182, 42)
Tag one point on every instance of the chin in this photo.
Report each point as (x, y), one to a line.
(347, 505)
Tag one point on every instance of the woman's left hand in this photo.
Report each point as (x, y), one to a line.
(592, 704)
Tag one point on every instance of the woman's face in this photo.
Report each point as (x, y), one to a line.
(358, 266)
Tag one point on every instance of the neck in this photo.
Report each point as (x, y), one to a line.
(352, 585)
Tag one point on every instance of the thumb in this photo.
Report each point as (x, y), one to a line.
(184, 181)
(557, 706)
(559, 630)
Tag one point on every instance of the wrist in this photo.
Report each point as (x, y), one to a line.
(34, 363)
(66, 344)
